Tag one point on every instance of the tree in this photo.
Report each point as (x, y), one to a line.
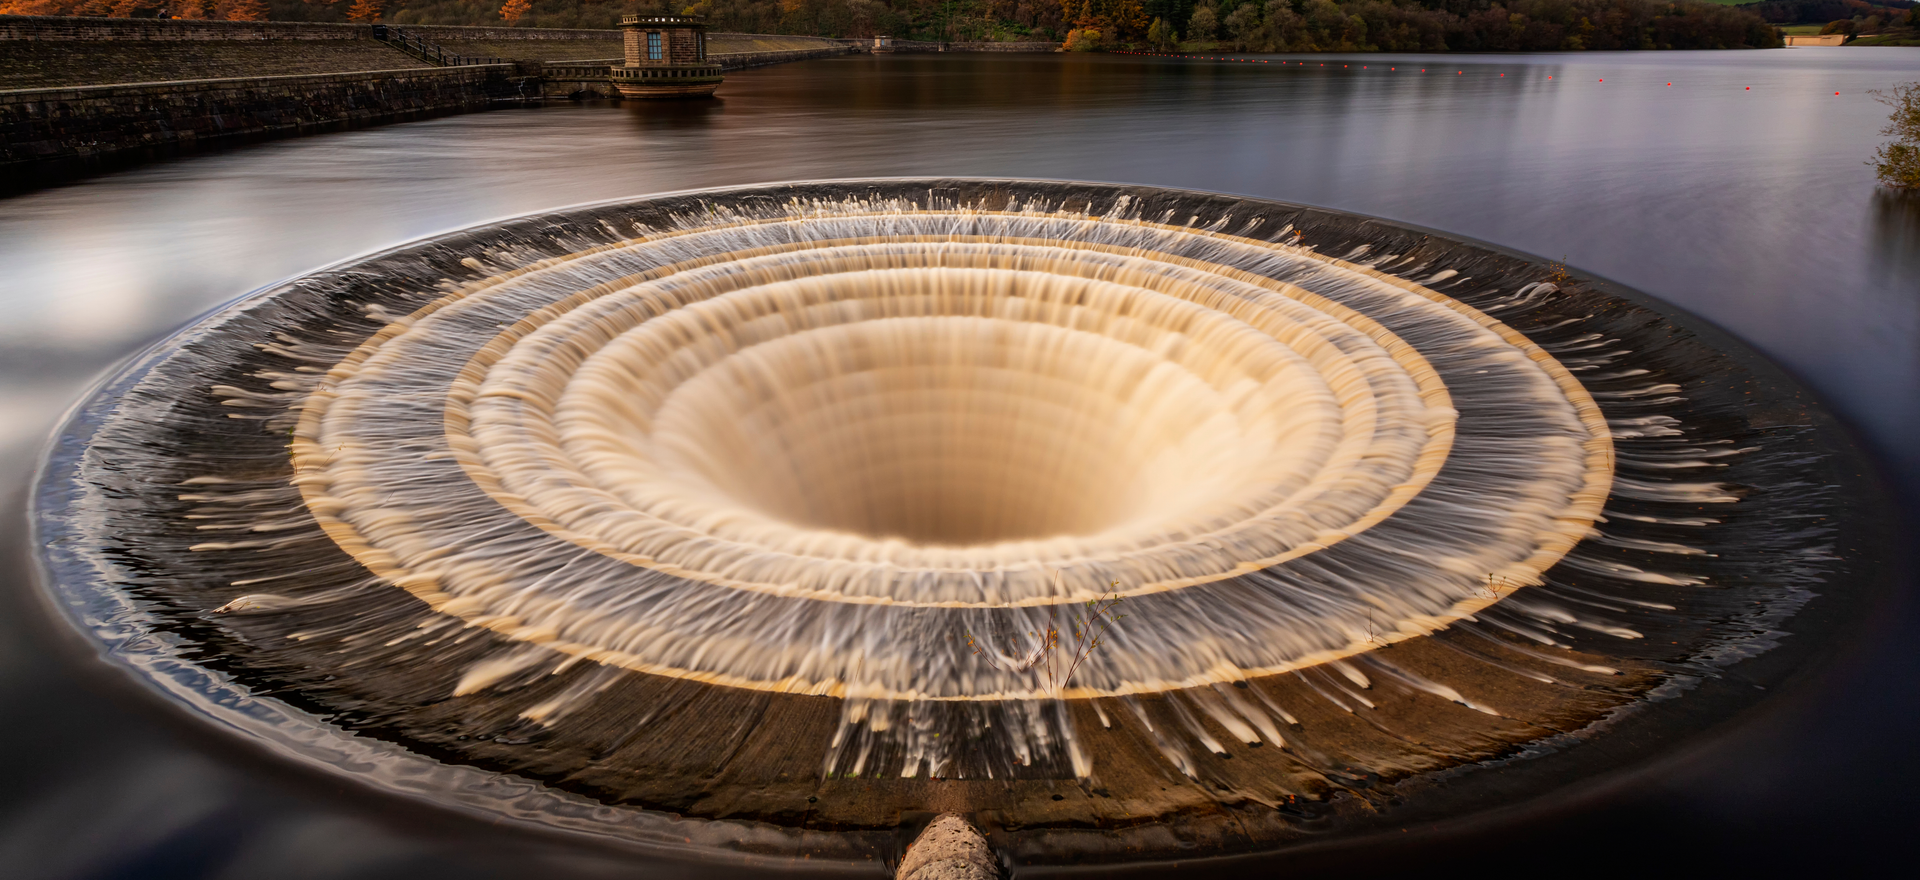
(1082, 40)
(514, 9)
(1203, 25)
(1161, 34)
(1842, 26)
(1243, 24)
(246, 10)
(366, 10)
(1898, 163)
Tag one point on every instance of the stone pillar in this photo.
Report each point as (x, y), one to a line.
(666, 57)
(949, 849)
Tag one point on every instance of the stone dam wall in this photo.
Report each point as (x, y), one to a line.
(52, 27)
(51, 132)
(46, 64)
(917, 47)
(80, 93)
(1003, 47)
(579, 80)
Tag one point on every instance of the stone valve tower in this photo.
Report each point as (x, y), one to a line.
(666, 58)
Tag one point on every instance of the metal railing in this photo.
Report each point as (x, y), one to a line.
(431, 53)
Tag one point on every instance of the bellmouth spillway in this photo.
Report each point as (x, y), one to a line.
(780, 513)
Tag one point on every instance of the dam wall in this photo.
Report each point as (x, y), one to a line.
(79, 93)
(1033, 46)
(64, 27)
(45, 132)
(740, 60)
(578, 80)
(40, 52)
(891, 45)
(591, 41)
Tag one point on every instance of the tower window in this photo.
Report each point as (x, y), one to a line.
(653, 45)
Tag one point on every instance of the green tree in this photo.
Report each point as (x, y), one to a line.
(1161, 34)
(1243, 24)
(1204, 24)
(1899, 162)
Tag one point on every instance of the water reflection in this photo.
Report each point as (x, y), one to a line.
(668, 115)
(1895, 237)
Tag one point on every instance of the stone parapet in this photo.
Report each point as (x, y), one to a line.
(740, 60)
(724, 41)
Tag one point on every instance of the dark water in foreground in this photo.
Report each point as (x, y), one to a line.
(1752, 208)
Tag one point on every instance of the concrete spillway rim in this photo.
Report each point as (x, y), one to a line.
(305, 739)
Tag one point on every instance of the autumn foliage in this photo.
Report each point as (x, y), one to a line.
(1898, 163)
(1122, 19)
(1204, 25)
(214, 10)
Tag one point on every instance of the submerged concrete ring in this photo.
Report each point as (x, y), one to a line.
(1312, 422)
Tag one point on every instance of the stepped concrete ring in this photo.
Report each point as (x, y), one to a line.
(1097, 512)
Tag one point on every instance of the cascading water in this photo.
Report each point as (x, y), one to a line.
(743, 505)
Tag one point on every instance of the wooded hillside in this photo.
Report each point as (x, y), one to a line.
(1252, 25)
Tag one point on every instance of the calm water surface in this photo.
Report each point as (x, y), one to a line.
(1731, 184)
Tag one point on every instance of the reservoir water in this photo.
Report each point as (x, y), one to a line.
(1733, 185)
